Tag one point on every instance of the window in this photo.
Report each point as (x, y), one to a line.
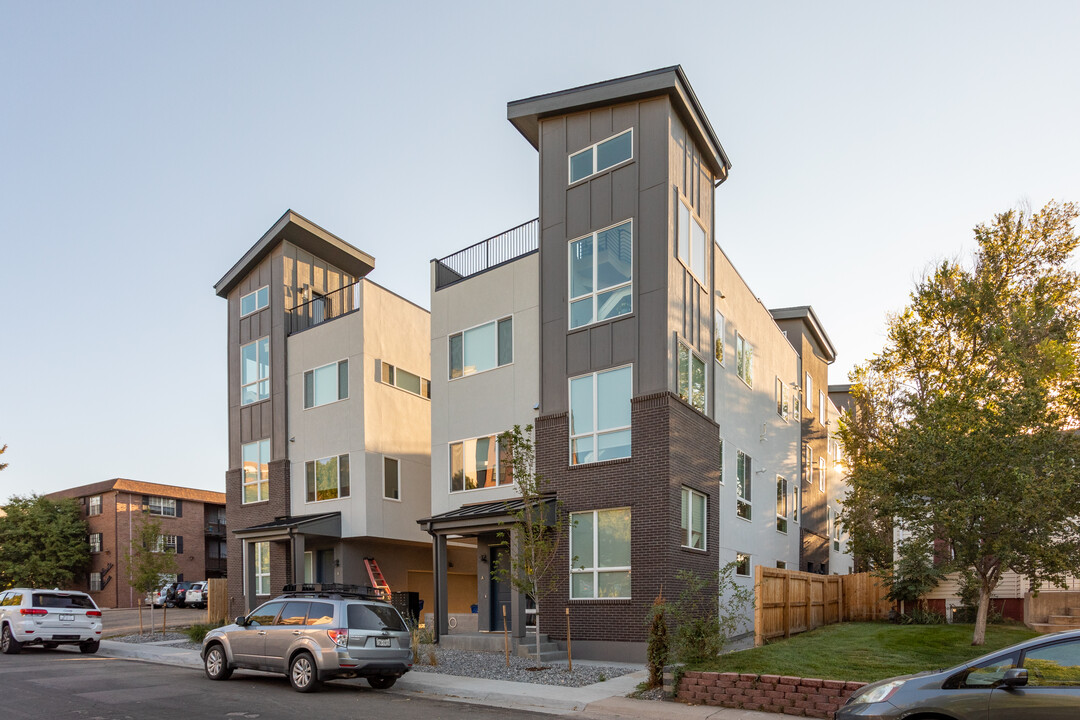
(95, 542)
(391, 479)
(821, 474)
(95, 581)
(326, 384)
(742, 564)
(262, 570)
(327, 478)
(693, 519)
(601, 275)
(718, 335)
(600, 546)
(743, 477)
(479, 463)
(256, 457)
(255, 301)
(796, 404)
(834, 519)
(781, 504)
(691, 378)
(808, 390)
(781, 399)
(691, 242)
(781, 565)
(808, 465)
(403, 379)
(822, 408)
(796, 503)
(161, 506)
(255, 371)
(482, 348)
(166, 543)
(93, 505)
(721, 461)
(600, 416)
(744, 360)
(1055, 665)
(601, 156)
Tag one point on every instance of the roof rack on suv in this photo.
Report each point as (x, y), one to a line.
(326, 590)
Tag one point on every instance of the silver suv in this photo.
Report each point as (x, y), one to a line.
(313, 635)
(48, 618)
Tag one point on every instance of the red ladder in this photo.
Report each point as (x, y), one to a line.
(377, 580)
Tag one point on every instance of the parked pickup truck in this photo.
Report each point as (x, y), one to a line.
(196, 595)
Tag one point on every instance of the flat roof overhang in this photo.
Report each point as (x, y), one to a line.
(324, 524)
(482, 517)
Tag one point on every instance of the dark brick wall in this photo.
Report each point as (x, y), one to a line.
(240, 516)
(672, 445)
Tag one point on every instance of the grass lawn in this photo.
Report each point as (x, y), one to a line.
(868, 651)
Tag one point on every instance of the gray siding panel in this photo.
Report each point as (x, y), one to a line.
(600, 124)
(553, 369)
(578, 206)
(600, 192)
(651, 245)
(624, 338)
(578, 353)
(624, 196)
(600, 339)
(650, 373)
(652, 137)
(553, 261)
(552, 184)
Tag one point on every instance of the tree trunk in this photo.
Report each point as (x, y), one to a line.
(140, 617)
(980, 617)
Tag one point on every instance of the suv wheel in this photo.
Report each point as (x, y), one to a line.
(216, 664)
(8, 643)
(89, 647)
(303, 674)
(382, 682)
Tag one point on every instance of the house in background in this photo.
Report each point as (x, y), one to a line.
(329, 420)
(192, 524)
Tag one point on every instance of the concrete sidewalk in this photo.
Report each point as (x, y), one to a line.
(602, 700)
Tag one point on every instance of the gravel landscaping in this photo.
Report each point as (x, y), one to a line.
(492, 666)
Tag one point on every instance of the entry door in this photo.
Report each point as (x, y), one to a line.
(500, 589)
(324, 566)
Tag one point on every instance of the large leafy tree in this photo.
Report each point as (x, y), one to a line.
(42, 542)
(964, 432)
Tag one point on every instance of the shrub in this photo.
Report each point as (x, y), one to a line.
(197, 632)
(658, 642)
(706, 613)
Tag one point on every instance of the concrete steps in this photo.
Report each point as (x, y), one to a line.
(1057, 623)
(549, 650)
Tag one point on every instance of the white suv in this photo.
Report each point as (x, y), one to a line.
(48, 618)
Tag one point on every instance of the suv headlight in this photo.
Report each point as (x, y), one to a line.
(881, 693)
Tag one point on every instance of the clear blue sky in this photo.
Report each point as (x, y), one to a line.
(144, 147)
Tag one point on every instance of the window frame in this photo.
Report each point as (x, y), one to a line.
(834, 529)
(396, 497)
(165, 542)
(719, 331)
(385, 369)
(337, 381)
(782, 497)
(689, 261)
(748, 558)
(259, 380)
(687, 523)
(95, 580)
(258, 482)
(745, 463)
(497, 322)
(823, 413)
(91, 504)
(822, 485)
(95, 541)
(721, 460)
(594, 432)
(596, 289)
(162, 504)
(744, 360)
(593, 148)
(311, 489)
(808, 393)
(261, 549)
(596, 568)
(796, 503)
(691, 397)
(504, 476)
(261, 303)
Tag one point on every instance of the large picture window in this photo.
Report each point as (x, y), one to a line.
(326, 384)
(600, 415)
(255, 371)
(602, 155)
(327, 478)
(600, 546)
(781, 504)
(691, 242)
(691, 377)
(743, 480)
(744, 360)
(479, 463)
(256, 457)
(482, 348)
(693, 519)
(601, 275)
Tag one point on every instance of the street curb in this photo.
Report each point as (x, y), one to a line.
(177, 657)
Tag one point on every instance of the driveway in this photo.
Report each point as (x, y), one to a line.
(125, 621)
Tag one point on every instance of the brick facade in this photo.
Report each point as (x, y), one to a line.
(805, 697)
(241, 516)
(672, 445)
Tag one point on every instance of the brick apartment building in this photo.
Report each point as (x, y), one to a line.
(192, 524)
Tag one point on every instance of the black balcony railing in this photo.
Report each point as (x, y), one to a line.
(486, 254)
(216, 564)
(217, 529)
(321, 308)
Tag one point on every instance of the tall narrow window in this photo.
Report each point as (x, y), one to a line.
(95, 581)
(796, 502)
(693, 519)
(808, 390)
(781, 401)
(691, 242)
(256, 458)
(93, 507)
(781, 504)
(742, 564)
(602, 155)
(326, 384)
(600, 548)
(482, 348)
(744, 360)
(691, 377)
(743, 481)
(95, 542)
(391, 479)
(601, 275)
(600, 415)
(823, 410)
(808, 466)
(327, 478)
(255, 371)
(835, 529)
(262, 568)
(718, 336)
(821, 474)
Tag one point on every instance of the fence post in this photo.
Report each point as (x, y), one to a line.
(759, 607)
(787, 604)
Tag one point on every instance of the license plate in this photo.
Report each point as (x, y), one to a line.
(382, 642)
(67, 616)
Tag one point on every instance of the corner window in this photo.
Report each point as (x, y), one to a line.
(742, 564)
(255, 371)
(781, 504)
(93, 507)
(254, 301)
(600, 548)
(601, 275)
(744, 360)
(691, 242)
(600, 416)
(403, 379)
(327, 478)
(602, 155)
(165, 507)
(326, 384)
(479, 463)
(481, 348)
(256, 457)
(693, 519)
(391, 479)
(95, 542)
(718, 334)
(262, 569)
(743, 480)
(691, 378)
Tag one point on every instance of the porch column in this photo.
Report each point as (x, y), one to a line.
(298, 548)
(441, 614)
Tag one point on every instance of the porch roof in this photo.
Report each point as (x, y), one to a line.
(477, 517)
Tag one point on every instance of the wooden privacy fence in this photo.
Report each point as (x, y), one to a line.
(217, 601)
(788, 602)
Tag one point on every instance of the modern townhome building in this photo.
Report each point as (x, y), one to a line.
(329, 420)
(192, 524)
(665, 398)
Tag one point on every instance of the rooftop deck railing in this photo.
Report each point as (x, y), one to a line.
(324, 307)
(486, 254)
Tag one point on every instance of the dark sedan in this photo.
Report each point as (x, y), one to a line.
(1035, 680)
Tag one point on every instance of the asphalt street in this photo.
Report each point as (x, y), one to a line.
(63, 684)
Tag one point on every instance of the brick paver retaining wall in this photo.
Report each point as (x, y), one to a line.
(807, 697)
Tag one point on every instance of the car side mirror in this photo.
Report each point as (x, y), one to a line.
(241, 621)
(1015, 677)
